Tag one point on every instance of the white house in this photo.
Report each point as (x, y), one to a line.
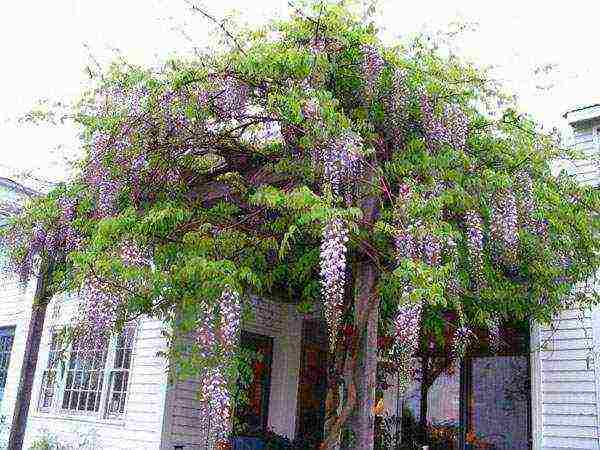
(543, 395)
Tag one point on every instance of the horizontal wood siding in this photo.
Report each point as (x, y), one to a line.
(283, 324)
(15, 310)
(569, 383)
(586, 142)
(141, 427)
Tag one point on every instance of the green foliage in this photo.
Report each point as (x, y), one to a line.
(217, 204)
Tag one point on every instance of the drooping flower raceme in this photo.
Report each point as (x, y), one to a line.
(396, 106)
(342, 163)
(504, 225)
(462, 339)
(215, 392)
(333, 273)
(474, 228)
(494, 331)
(371, 66)
(231, 313)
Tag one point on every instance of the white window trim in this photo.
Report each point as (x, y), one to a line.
(55, 410)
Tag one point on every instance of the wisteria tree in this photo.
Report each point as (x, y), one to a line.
(391, 186)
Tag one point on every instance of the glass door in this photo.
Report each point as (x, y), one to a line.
(497, 403)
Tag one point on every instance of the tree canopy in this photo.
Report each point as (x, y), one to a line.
(285, 165)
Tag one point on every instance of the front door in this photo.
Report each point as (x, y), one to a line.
(312, 384)
(254, 416)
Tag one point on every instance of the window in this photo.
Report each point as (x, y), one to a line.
(49, 375)
(119, 374)
(83, 387)
(6, 341)
(95, 381)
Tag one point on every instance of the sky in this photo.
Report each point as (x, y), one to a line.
(46, 47)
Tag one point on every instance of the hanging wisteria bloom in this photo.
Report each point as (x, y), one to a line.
(495, 337)
(231, 313)
(215, 396)
(451, 128)
(474, 227)
(231, 99)
(527, 206)
(98, 312)
(460, 344)
(431, 248)
(371, 67)
(504, 225)
(396, 105)
(457, 124)
(333, 273)
(436, 133)
(342, 163)
(407, 329)
(215, 392)
(404, 239)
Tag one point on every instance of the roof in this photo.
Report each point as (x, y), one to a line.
(16, 187)
(582, 113)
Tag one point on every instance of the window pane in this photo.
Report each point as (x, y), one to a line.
(443, 409)
(119, 376)
(84, 378)
(498, 406)
(6, 341)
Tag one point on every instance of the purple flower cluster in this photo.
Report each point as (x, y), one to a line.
(452, 128)
(404, 239)
(431, 249)
(396, 105)
(214, 393)
(527, 206)
(435, 131)
(342, 163)
(462, 339)
(371, 67)
(504, 225)
(231, 314)
(494, 331)
(474, 227)
(407, 329)
(231, 99)
(98, 311)
(333, 273)
(457, 124)
(132, 255)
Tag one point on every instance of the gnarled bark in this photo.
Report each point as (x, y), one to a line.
(32, 348)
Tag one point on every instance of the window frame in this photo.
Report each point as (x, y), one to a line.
(8, 331)
(101, 415)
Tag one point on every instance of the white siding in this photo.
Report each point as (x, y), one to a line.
(566, 383)
(283, 324)
(585, 140)
(15, 309)
(141, 427)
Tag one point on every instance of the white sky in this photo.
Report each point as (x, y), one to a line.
(44, 54)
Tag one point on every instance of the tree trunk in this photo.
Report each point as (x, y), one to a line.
(32, 347)
(367, 303)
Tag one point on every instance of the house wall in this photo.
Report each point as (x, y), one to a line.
(586, 140)
(566, 392)
(141, 426)
(565, 366)
(15, 310)
(284, 325)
